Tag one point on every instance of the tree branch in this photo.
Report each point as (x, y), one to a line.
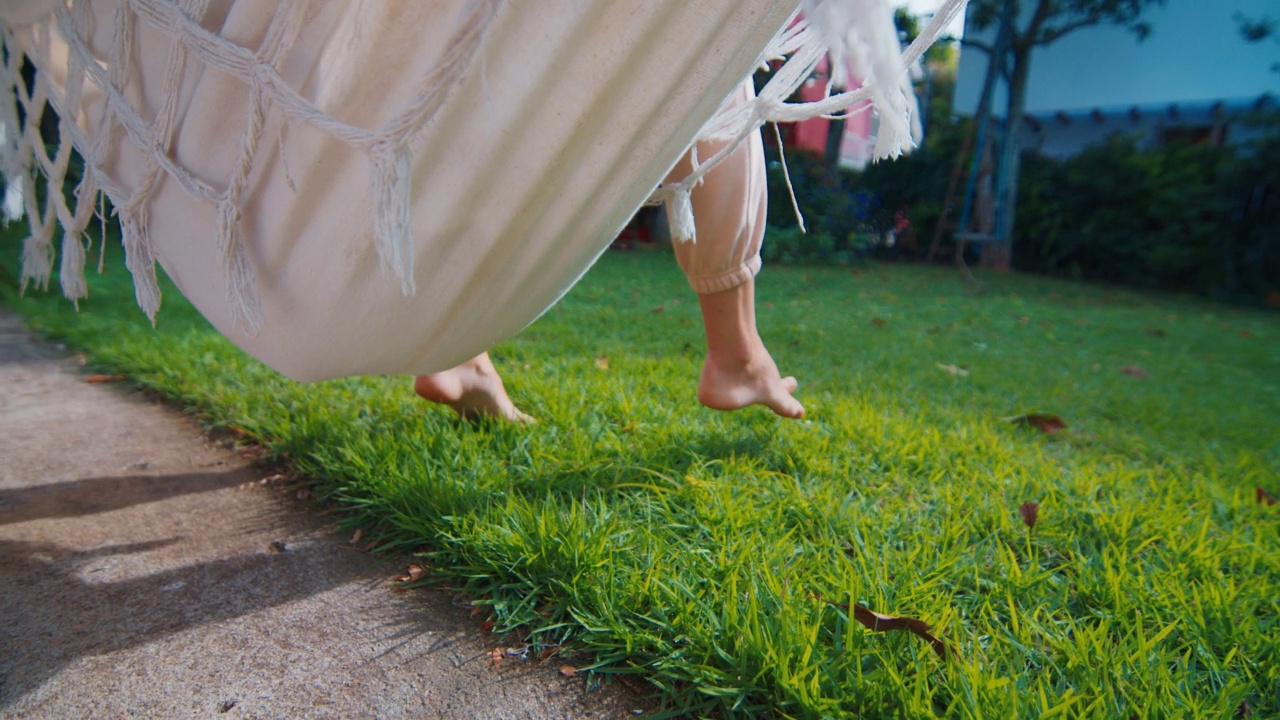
(1044, 10)
(1052, 34)
(977, 45)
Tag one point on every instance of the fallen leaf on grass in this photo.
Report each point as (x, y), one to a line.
(1134, 371)
(879, 322)
(876, 622)
(1048, 423)
(96, 379)
(658, 310)
(1030, 511)
(1263, 497)
(957, 370)
(568, 670)
(602, 362)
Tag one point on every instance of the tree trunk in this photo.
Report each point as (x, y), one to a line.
(1000, 251)
(831, 152)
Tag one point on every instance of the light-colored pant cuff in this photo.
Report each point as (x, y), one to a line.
(726, 280)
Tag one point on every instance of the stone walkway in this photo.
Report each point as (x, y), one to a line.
(140, 577)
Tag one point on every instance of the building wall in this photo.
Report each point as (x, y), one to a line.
(858, 137)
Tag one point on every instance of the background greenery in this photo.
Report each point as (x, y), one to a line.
(1175, 217)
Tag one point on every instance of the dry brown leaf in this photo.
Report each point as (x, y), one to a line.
(96, 379)
(602, 362)
(876, 622)
(1134, 371)
(1030, 511)
(659, 310)
(495, 657)
(411, 573)
(957, 370)
(355, 537)
(1048, 423)
(879, 322)
(1263, 497)
(568, 670)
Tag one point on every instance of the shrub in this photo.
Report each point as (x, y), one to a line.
(1179, 217)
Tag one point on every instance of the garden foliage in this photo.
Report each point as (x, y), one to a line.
(1180, 217)
(1191, 218)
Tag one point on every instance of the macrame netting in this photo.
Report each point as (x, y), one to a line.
(395, 186)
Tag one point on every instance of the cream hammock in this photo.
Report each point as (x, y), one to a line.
(393, 186)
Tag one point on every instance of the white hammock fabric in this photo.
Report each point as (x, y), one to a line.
(394, 186)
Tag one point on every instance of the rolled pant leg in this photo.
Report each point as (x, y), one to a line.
(729, 209)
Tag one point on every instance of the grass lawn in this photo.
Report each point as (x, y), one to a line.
(717, 557)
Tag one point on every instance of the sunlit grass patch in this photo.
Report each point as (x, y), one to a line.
(716, 557)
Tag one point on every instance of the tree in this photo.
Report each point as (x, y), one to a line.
(1030, 24)
(1256, 30)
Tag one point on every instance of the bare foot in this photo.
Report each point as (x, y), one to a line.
(739, 371)
(732, 385)
(473, 389)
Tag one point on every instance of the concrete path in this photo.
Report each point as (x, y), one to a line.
(138, 578)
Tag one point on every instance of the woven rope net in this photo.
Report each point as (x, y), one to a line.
(317, 177)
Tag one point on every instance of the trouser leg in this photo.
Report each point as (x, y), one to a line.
(729, 209)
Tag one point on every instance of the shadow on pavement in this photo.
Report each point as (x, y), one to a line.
(88, 496)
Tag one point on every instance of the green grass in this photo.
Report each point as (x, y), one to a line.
(708, 554)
